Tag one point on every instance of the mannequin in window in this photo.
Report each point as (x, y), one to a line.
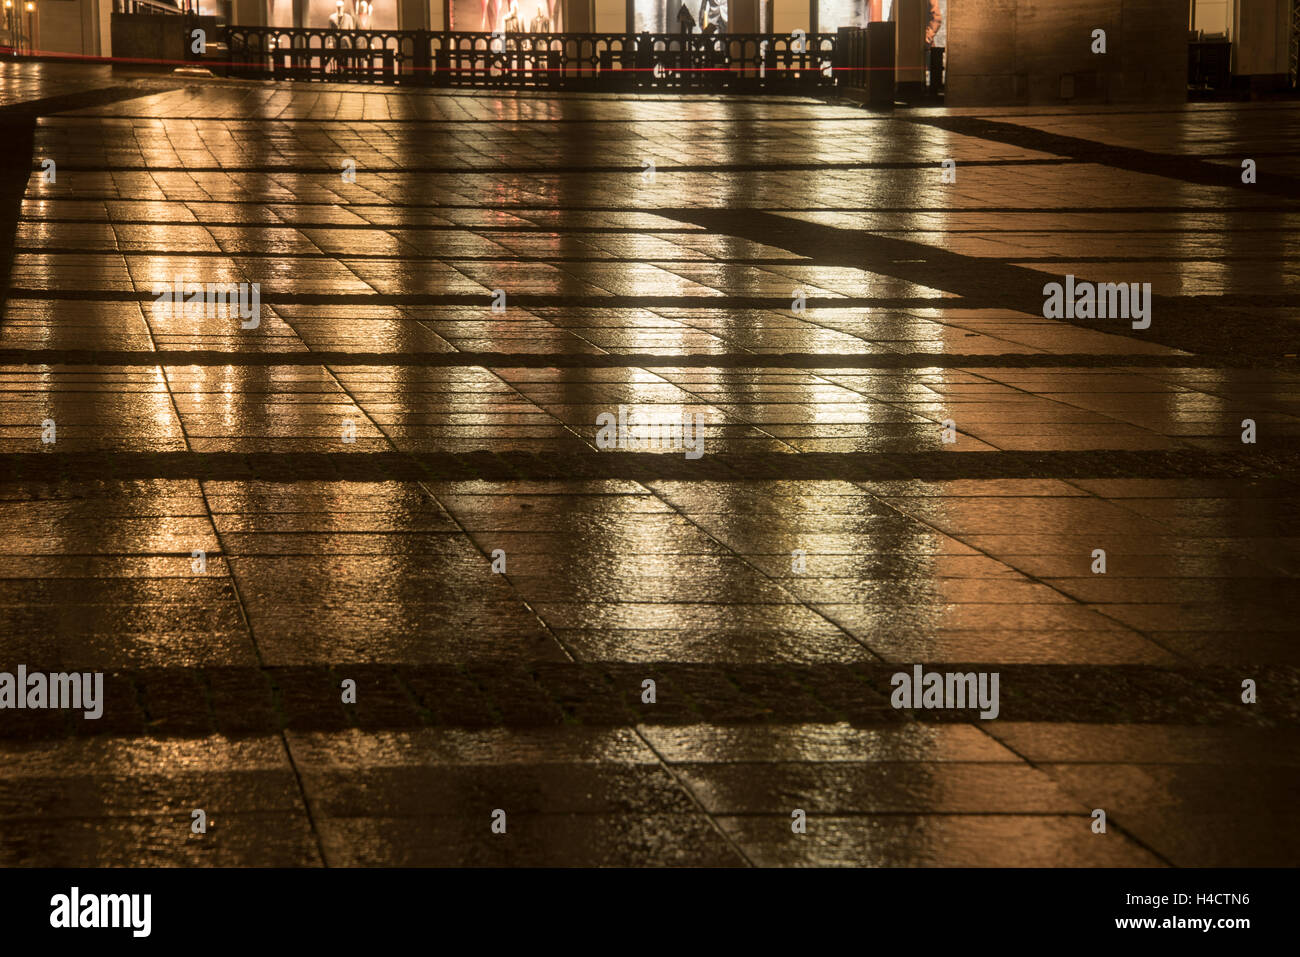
(512, 18)
(347, 23)
(713, 16)
(340, 21)
(362, 19)
(541, 23)
(338, 17)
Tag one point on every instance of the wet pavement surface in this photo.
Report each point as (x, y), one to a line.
(232, 523)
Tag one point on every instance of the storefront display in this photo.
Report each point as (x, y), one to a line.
(507, 16)
(547, 16)
(333, 14)
(833, 14)
(681, 16)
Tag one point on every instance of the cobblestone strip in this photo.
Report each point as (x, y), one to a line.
(195, 702)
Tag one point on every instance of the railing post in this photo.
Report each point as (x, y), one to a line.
(842, 61)
(880, 63)
(442, 63)
(859, 59)
(643, 58)
(631, 57)
(554, 64)
(422, 59)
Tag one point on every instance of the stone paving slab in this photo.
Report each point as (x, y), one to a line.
(586, 796)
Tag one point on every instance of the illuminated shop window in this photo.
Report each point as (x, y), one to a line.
(668, 16)
(833, 14)
(379, 15)
(507, 16)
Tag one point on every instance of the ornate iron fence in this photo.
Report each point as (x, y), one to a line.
(591, 61)
(301, 53)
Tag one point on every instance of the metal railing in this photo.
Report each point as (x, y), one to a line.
(865, 61)
(592, 61)
(1295, 43)
(293, 53)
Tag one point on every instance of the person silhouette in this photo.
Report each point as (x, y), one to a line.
(512, 18)
(340, 20)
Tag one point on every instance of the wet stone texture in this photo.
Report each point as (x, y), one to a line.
(233, 524)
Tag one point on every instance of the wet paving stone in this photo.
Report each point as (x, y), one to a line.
(910, 840)
(850, 787)
(362, 573)
(236, 840)
(120, 801)
(531, 840)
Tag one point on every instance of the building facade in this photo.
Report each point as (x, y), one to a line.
(996, 51)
